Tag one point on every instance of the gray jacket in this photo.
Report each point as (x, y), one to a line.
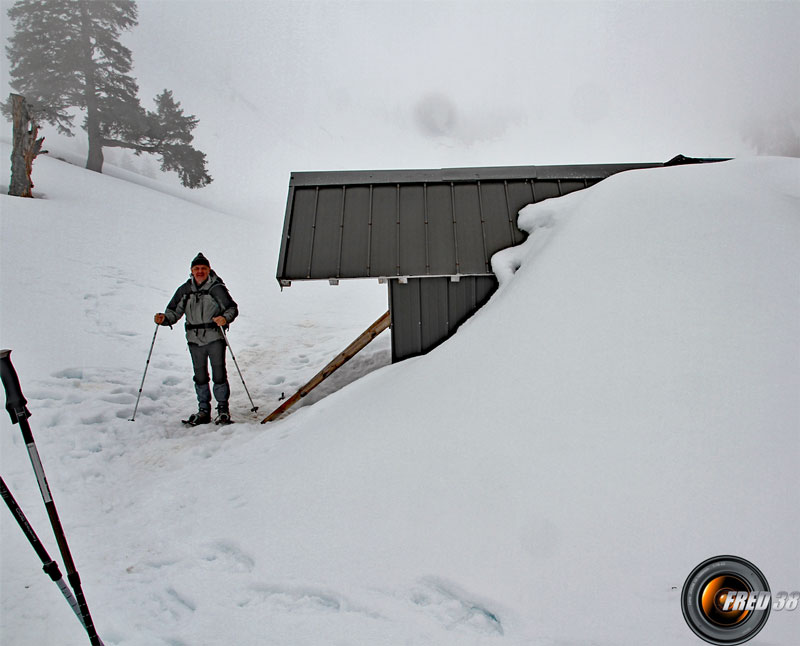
(200, 304)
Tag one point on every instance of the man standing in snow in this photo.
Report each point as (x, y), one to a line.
(208, 307)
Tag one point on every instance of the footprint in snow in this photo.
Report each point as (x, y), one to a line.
(294, 598)
(98, 418)
(69, 373)
(121, 398)
(454, 608)
(229, 557)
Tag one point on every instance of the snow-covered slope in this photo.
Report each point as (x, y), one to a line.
(624, 407)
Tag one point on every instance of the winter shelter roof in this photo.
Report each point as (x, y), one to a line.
(407, 223)
(418, 223)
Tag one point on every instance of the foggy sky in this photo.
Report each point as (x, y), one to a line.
(282, 86)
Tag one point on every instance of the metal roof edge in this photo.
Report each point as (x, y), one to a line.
(466, 174)
(479, 173)
(455, 277)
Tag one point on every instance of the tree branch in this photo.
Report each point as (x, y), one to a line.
(116, 143)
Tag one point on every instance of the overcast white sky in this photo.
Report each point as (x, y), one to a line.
(282, 86)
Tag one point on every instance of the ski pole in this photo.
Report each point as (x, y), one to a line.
(225, 336)
(17, 407)
(146, 366)
(50, 567)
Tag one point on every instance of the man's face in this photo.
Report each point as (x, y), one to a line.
(200, 273)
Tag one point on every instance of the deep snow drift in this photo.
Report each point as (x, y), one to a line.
(625, 407)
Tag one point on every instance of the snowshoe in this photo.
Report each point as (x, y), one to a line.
(223, 415)
(200, 417)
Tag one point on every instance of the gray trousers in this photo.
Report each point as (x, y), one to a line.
(201, 355)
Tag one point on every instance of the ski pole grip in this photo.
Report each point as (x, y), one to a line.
(16, 404)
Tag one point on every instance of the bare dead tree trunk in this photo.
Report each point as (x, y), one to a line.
(25, 148)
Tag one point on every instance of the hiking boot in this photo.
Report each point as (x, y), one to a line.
(223, 414)
(200, 417)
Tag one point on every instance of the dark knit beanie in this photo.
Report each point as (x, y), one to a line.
(200, 259)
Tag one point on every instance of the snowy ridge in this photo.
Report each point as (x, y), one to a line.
(550, 475)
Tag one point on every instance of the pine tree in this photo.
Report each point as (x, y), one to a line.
(66, 54)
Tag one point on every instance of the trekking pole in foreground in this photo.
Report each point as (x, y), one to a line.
(146, 366)
(17, 408)
(49, 565)
(236, 363)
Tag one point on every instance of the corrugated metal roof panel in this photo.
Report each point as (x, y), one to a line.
(412, 235)
(441, 241)
(362, 224)
(355, 248)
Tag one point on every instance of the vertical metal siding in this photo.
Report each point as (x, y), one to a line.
(327, 232)
(572, 185)
(469, 232)
(355, 232)
(486, 250)
(383, 252)
(412, 229)
(287, 221)
(485, 286)
(519, 194)
(404, 305)
(301, 232)
(498, 226)
(341, 232)
(546, 189)
(433, 309)
(409, 229)
(426, 311)
(455, 227)
(369, 237)
(441, 243)
(460, 301)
